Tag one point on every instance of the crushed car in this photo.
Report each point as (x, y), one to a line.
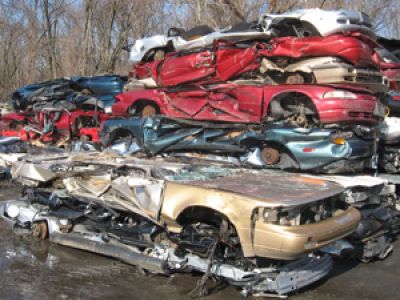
(389, 148)
(61, 126)
(276, 145)
(298, 23)
(260, 232)
(376, 199)
(390, 66)
(315, 22)
(334, 59)
(303, 105)
(102, 88)
(177, 39)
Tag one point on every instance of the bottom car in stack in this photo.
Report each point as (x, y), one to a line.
(262, 232)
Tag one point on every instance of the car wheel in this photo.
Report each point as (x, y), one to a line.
(296, 109)
(270, 156)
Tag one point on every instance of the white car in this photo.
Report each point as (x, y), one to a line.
(315, 21)
(304, 22)
(148, 46)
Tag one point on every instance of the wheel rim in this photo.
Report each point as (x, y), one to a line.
(270, 156)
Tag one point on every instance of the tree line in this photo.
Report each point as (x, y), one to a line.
(46, 39)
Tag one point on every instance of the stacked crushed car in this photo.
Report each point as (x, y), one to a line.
(61, 110)
(306, 90)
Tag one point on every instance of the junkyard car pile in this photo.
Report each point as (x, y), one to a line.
(61, 110)
(182, 183)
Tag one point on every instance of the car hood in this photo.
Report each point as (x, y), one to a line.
(274, 188)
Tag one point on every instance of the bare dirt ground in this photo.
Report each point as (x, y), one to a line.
(31, 269)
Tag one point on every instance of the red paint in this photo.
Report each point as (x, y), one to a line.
(355, 49)
(66, 126)
(248, 104)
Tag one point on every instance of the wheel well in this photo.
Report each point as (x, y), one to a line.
(121, 133)
(209, 216)
(140, 104)
(282, 148)
(278, 102)
(201, 214)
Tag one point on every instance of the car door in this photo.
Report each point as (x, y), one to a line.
(227, 102)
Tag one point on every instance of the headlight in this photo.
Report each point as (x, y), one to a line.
(304, 214)
(282, 216)
(12, 211)
(340, 94)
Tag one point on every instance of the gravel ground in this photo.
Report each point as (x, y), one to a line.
(31, 269)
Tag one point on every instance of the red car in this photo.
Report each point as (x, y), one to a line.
(230, 60)
(55, 125)
(390, 67)
(302, 104)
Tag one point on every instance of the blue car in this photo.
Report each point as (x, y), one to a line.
(103, 87)
(273, 146)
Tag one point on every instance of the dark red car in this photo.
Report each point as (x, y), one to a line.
(226, 61)
(301, 104)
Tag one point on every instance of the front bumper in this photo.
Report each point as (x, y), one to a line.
(313, 149)
(290, 242)
(337, 110)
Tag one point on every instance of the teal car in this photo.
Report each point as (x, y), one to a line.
(277, 145)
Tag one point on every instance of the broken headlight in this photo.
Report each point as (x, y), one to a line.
(304, 214)
(282, 216)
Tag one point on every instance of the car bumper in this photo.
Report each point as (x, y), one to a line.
(333, 111)
(313, 148)
(290, 242)
(327, 153)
